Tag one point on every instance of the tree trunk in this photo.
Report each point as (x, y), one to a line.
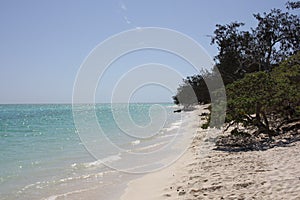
(266, 121)
(261, 126)
(257, 112)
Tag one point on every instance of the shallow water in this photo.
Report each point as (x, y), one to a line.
(43, 157)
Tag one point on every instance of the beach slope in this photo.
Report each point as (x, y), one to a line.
(204, 173)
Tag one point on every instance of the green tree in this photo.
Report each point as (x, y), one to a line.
(233, 46)
(275, 38)
(185, 96)
(198, 84)
(264, 100)
(287, 77)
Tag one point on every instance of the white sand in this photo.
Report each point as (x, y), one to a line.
(202, 173)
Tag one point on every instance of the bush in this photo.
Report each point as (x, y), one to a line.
(266, 100)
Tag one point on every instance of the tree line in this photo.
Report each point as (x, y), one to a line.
(260, 69)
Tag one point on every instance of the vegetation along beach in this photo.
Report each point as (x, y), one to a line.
(106, 126)
(256, 154)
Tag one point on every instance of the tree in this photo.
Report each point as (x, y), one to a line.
(264, 100)
(250, 96)
(261, 48)
(193, 90)
(185, 96)
(233, 46)
(287, 77)
(293, 5)
(197, 85)
(275, 38)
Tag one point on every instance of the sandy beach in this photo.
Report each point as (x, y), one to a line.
(204, 173)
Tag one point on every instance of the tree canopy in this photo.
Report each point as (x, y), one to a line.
(273, 40)
(260, 68)
(264, 100)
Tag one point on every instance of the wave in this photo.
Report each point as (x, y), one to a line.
(174, 106)
(97, 163)
(45, 184)
(168, 135)
(136, 142)
(150, 146)
(172, 128)
(64, 195)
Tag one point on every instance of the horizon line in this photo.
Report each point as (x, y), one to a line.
(70, 103)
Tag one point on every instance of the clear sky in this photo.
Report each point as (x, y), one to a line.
(43, 43)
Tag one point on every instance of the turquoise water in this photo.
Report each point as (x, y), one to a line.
(42, 156)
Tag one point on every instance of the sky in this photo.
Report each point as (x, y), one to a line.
(44, 43)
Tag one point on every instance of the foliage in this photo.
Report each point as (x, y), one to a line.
(266, 100)
(274, 39)
(293, 5)
(261, 70)
(185, 96)
(193, 86)
(287, 76)
(233, 46)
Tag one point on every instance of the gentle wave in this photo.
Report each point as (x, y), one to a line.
(44, 184)
(136, 142)
(97, 163)
(168, 135)
(172, 128)
(54, 197)
(151, 146)
(178, 123)
(45, 142)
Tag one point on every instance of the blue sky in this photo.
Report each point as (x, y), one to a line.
(43, 43)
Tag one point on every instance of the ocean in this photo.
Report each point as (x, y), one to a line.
(45, 155)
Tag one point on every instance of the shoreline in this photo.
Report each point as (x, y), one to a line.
(203, 173)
